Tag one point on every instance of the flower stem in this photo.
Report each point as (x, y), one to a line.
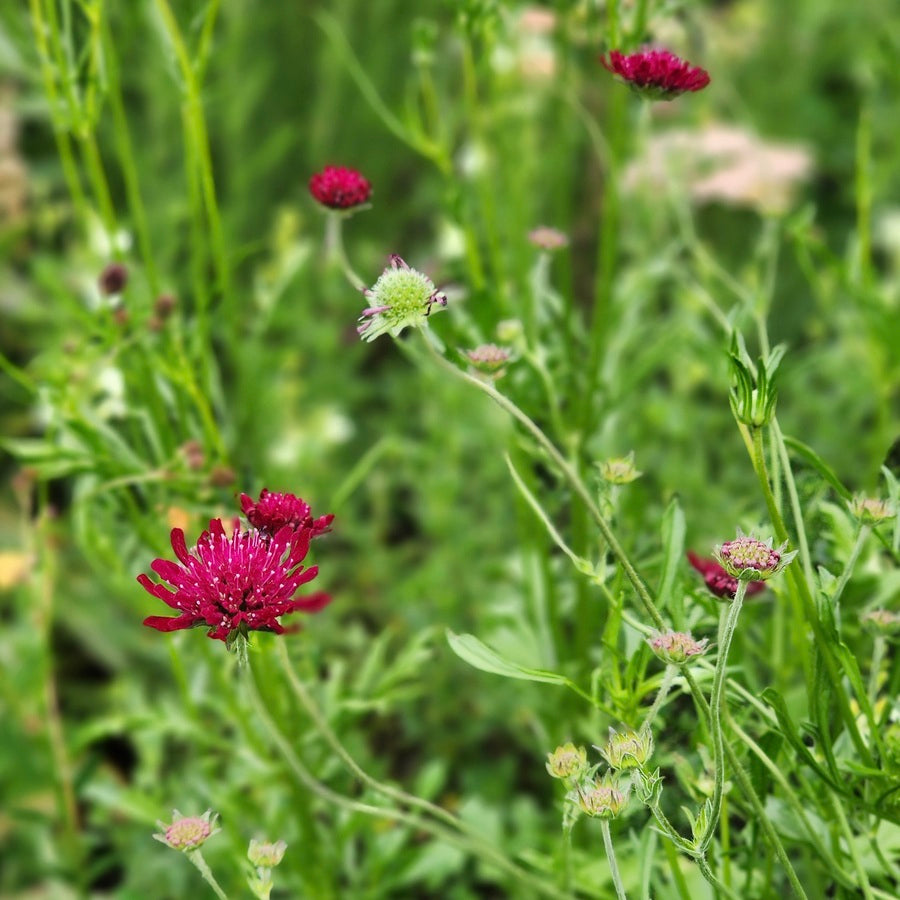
(668, 678)
(196, 857)
(611, 858)
(475, 845)
(726, 633)
(334, 246)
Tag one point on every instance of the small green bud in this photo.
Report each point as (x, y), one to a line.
(872, 510)
(567, 761)
(677, 647)
(627, 749)
(619, 469)
(881, 622)
(753, 393)
(601, 799)
(265, 854)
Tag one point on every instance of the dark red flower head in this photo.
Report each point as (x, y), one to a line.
(339, 188)
(657, 73)
(718, 580)
(273, 511)
(245, 581)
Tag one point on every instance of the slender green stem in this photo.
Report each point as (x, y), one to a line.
(196, 857)
(796, 512)
(710, 876)
(726, 633)
(611, 858)
(850, 839)
(862, 532)
(334, 246)
(570, 475)
(878, 648)
(661, 694)
(475, 845)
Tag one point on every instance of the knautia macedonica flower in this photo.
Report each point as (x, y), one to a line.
(567, 761)
(675, 648)
(718, 580)
(234, 584)
(627, 749)
(872, 510)
(402, 297)
(602, 798)
(619, 469)
(113, 279)
(274, 510)
(339, 188)
(187, 832)
(657, 74)
(488, 359)
(749, 559)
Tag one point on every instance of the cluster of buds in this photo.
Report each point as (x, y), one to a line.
(749, 559)
(675, 648)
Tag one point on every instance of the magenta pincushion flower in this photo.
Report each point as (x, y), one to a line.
(718, 580)
(656, 73)
(274, 510)
(245, 581)
(340, 188)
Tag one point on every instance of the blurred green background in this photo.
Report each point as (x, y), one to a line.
(476, 121)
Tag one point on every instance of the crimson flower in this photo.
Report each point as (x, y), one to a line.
(339, 188)
(718, 580)
(242, 583)
(274, 510)
(657, 73)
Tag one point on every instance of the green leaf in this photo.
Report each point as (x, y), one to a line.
(673, 530)
(469, 649)
(818, 464)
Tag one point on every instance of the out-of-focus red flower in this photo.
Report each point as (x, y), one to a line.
(340, 188)
(243, 582)
(657, 73)
(274, 510)
(718, 580)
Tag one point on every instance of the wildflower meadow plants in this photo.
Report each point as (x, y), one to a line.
(613, 537)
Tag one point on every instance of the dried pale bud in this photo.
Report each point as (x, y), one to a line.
(265, 854)
(677, 647)
(627, 749)
(881, 622)
(749, 559)
(619, 469)
(489, 359)
(187, 832)
(602, 799)
(548, 238)
(567, 761)
(872, 510)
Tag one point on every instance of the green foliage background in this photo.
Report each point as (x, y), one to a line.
(108, 725)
